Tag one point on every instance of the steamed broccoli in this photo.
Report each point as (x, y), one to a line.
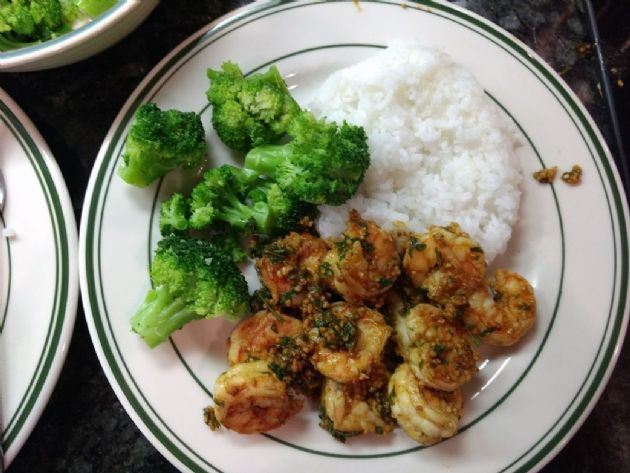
(286, 211)
(324, 163)
(28, 22)
(221, 188)
(192, 279)
(229, 244)
(246, 202)
(160, 141)
(174, 214)
(94, 7)
(250, 111)
(24, 22)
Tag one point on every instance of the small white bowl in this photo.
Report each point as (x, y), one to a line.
(85, 41)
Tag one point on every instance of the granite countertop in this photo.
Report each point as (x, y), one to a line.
(84, 429)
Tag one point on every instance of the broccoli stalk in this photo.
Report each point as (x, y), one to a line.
(242, 216)
(174, 214)
(246, 202)
(160, 315)
(160, 141)
(324, 163)
(192, 279)
(249, 111)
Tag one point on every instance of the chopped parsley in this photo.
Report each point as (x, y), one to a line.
(328, 425)
(336, 333)
(438, 257)
(287, 296)
(384, 282)
(276, 254)
(280, 371)
(210, 418)
(488, 331)
(416, 245)
(440, 353)
(326, 269)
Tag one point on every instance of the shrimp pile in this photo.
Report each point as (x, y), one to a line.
(381, 328)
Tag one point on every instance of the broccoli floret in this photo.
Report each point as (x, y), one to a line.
(95, 7)
(249, 111)
(286, 211)
(160, 141)
(16, 18)
(27, 22)
(192, 279)
(229, 244)
(324, 163)
(220, 196)
(48, 15)
(246, 202)
(174, 214)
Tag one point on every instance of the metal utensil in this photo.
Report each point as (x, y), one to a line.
(2, 191)
(2, 199)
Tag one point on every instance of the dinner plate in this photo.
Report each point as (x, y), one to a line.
(39, 281)
(570, 242)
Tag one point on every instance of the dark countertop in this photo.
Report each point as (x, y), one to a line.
(84, 429)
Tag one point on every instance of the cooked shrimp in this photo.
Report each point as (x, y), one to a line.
(250, 399)
(401, 299)
(425, 414)
(439, 352)
(289, 265)
(502, 312)
(348, 339)
(254, 337)
(446, 263)
(357, 408)
(365, 263)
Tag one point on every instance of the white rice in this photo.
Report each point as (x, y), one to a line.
(441, 150)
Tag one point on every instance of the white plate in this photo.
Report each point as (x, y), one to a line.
(83, 42)
(39, 281)
(570, 242)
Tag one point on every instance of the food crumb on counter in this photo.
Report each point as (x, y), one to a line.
(574, 176)
(546, 175)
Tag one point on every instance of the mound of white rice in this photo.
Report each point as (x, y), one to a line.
(441, 150)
